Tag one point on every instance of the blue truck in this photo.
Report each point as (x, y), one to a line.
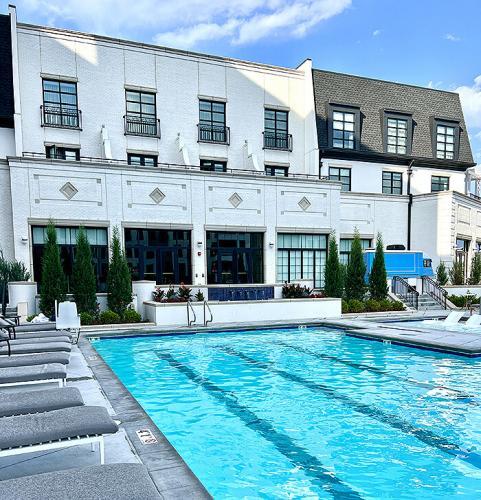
(403, 263)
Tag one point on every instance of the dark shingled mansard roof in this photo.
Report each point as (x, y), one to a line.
(373, 97)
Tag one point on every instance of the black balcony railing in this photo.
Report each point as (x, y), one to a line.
(436, 291)
(277, 140)
(54, 116)
(142, 125)
(219, 134)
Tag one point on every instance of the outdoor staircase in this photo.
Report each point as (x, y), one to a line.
(427, 303)
(432, 297)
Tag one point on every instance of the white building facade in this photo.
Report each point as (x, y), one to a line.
(213, 169)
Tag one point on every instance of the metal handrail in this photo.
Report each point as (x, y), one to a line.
(189, 308)
(277, 140)
(206, 321)
(142, 125)
(58, 117)
(218, 134)
(405, 292)
(434, 290)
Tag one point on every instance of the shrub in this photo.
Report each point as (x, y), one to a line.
(30, 317)
(456, 273)
(378, 287)
(385, 305)
(334, 283)
(345, 306)
(355, 286)
(119, 281)
(463, 300)
(475, 275)
(442, 274)
(184, 293)
(86, 318)
(84, 284)
(10, 271)
(356, 306)
(158, 294)
(171, 295)
(109, 317)
(295, 291)
(199, 296)
(54, 284)
(397, 305)
(131, 316)
(372, 305)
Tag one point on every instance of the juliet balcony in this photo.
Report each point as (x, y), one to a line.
(281, 141)
(216, 134)
(142, 125)
(61, 117)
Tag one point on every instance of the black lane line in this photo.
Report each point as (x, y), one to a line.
(297, 455)
(424, 435)
(465, 398)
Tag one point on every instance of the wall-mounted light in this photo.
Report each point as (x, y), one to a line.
(24, 240)
(271, 245)
(199, 243)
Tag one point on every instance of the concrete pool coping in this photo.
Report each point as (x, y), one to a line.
(171, 475)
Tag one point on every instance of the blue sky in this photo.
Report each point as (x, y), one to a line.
(423, 42)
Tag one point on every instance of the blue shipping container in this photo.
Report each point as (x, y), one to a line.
(407, 264)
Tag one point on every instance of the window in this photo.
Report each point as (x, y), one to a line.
(67, 238)
(276, 129)
(235, 257)
(61, 153)
(397, 133)
(445, 141)
(141, 160)
(159, 255)
(141, 117)
(341, 174)
(439, 183)
(212, 126)
(343, 129)
(392, 183)
(213, 165)
(60, 104)
(301, 256)
(345, 245)
(276, 170)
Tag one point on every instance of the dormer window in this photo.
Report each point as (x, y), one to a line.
(445, 141)
(398, 129)
(344, 127)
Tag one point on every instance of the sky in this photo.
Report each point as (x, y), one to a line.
(433, 43)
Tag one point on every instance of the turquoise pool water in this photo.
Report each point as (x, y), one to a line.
(309, 413)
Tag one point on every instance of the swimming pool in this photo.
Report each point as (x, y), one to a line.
(438, 325)
(309, 413)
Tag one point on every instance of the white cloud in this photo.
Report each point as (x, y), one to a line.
(471, 101)
(186, 23)
(451, 37)
(376, 32)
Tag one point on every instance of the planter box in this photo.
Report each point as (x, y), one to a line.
(463, 290)
(175, 314)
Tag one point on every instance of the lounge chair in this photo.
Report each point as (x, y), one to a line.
(4, 337)
(473, 321)
(67, 317)
(99, 482)
(56, 429)
(41, 358)
(36, 374)
(8, 325)
(24, 403)
(43, 340)
(35, 347)
(44, 334)
(451, 319)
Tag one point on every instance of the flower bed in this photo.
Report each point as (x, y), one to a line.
(356, 306)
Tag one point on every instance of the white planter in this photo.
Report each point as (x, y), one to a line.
(143, 290)
(23, 292)
(463, 290)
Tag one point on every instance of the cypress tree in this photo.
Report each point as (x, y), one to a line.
(54, 284)
(119, 281)
(83, 276)
(333, 282)
(355, 287)
(442, 274)
(378, 287)
(475, 275)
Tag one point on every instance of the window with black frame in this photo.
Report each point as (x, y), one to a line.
(276, 130)
(343, 175)
(67, 239)
(439, 183)
(160, 255)
(234, 257)
(213, 165)
(392, 183)
(446, 141)
(397, 139)
(60, 107)
(301, 257)
(276, 171)
(62, 153)
(141, 115)
(343, 129)
(212, 122)
(345, 245)
(141, 160)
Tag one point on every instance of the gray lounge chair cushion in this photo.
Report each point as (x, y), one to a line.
(44, 340)
(6, 323)
(43, 334)
(36, 347)
(22, 403)
(40, 358)
(101, 482)
(25, 430)
(27, 373)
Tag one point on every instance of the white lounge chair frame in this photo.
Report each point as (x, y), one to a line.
(62, 382)
(66, 317)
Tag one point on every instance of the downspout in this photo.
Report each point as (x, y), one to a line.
(410, 203)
